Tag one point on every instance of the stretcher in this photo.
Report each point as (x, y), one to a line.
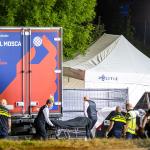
(73, 128)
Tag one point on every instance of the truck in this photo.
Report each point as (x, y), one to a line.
(30, 72)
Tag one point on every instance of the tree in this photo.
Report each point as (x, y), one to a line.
(75, 16)
(129, 32)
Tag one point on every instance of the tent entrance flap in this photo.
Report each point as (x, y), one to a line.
(77, 74)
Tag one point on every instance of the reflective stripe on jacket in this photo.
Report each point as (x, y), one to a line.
(4, 111)
(119, 118)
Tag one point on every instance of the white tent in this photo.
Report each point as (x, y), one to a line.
(111, 62)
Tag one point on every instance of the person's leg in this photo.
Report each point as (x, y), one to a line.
(3, 133)
(87, 132)
(3, 137)
(117, 134)
(129, 136)
(93, 131)
(93, 123)
(41, 131)
(148, 133)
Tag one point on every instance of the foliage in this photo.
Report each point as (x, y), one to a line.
(129, 32)
(144, 48)
(75, 16)
(98, 31)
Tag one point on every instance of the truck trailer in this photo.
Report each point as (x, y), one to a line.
(30, 72)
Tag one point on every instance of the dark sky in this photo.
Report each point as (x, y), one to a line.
(141, 18)
(114, 19)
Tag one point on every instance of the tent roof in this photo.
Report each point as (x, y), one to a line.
(111, 53)
(86, 61)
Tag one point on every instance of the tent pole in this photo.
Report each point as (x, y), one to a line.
(148, 101)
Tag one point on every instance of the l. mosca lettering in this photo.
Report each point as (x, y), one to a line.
(10, 43)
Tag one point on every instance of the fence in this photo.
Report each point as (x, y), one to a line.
(73, 100)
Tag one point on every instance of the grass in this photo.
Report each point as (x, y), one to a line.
(95, 144)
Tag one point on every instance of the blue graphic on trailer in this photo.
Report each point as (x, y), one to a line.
(10, 55)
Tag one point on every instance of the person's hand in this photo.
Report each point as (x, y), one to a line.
(9, 131)
(142, 130)
(106, 134)
(52, 126)
(124, 134)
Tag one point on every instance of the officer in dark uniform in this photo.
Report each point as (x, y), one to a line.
(5, 119)
(42, 119)
(90, 111)
(117, 124)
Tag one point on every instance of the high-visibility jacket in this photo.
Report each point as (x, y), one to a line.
(131, 121)
(119, 122)
(4, 116)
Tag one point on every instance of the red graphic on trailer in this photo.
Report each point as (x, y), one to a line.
(42, 78)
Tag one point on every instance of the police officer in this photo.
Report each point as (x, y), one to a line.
(130, 122)
(90, 111)
(5, 119)
(117, 124)
(42, 119)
